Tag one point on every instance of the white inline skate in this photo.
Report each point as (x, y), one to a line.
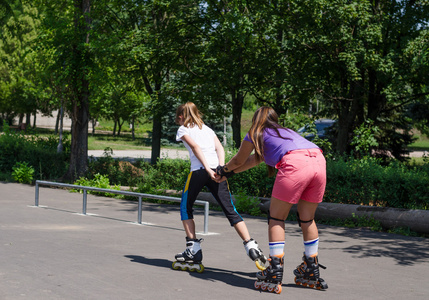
(190, 259)
(255, 254)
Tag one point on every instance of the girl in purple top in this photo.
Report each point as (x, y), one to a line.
(300, 179)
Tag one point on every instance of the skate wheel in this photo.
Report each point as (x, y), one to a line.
(311, 286)
(257, 285)
(264, 287)
(297, 282)
(270, 289)
(278, 289)
(200, 269)
(184, 268)
(175, 266)
(304, 284)
(260, 265)
(322, 285)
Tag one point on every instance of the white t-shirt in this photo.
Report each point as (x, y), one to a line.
(205, 138)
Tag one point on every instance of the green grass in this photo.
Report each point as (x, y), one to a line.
(421, 144)
(123, 142)
(246, 121)
(140, 129)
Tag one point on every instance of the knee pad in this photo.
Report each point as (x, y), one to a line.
(301, 221)
(271, 218)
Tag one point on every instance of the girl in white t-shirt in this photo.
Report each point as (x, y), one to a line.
(206, 154)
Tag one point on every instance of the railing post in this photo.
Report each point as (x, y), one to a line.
(36, 203)
(139, 214)
(206, 218)
(84, 202)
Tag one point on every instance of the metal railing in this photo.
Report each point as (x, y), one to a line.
(140, 196)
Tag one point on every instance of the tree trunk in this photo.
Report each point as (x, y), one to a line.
(34, 120)
(94, 123)
(132, 128)
(80, 103)
(237, 107)
(57, 122)
(114, 127)
(79, 140)
(120, 126)
(156, 137)
(158, 112)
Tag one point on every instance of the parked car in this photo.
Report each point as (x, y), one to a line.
(323, 127)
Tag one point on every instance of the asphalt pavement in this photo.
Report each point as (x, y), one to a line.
(54, 252)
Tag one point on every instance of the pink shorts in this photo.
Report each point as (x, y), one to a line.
(301, 175)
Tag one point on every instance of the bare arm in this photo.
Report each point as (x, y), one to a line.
(220, 151)
(243, 160)
(248, 164)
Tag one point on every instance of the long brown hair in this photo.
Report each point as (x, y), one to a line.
(192, 116)
(264, 117)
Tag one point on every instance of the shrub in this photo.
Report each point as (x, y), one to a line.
(119, 172)
(247, 204)
(39, 152)
(23, 173)
(99, 181)
(164, 175)
(351, 181)
(367, 182)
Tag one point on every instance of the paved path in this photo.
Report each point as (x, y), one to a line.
(53, 252)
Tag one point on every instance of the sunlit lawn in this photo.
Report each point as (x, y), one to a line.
(421, 144)
(123, 142)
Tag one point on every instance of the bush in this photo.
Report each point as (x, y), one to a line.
(166, 174)
(119, 172)
(99, 181)
(247, 204)
(23, 173)
(351, 181)
(367, 182)
(38, 152)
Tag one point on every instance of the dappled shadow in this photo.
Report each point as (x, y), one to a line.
(406, 251)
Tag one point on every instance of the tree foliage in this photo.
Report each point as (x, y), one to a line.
(358, 61)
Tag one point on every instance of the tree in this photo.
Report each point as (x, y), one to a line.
(230, 51)
(350, 54)
(66, 33)
(22, 87)
(80, 84)
(146, 40)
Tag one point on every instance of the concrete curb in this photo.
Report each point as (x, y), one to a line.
(415, 219)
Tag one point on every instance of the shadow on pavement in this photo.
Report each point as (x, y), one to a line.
(234, 278)
(405, 250)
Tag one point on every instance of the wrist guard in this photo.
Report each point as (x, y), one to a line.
(220, 170)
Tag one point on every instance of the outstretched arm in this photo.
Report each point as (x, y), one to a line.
(242, 161)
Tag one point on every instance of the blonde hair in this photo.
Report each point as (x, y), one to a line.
(191, 115)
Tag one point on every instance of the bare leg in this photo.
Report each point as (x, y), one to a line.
(189, 226)
(278, 210)
(306, 212)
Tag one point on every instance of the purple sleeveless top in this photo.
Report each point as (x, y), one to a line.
(276, 147)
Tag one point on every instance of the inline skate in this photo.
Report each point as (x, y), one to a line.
(255, 254)
(271, 278)
(307, 273)
(191, 258)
